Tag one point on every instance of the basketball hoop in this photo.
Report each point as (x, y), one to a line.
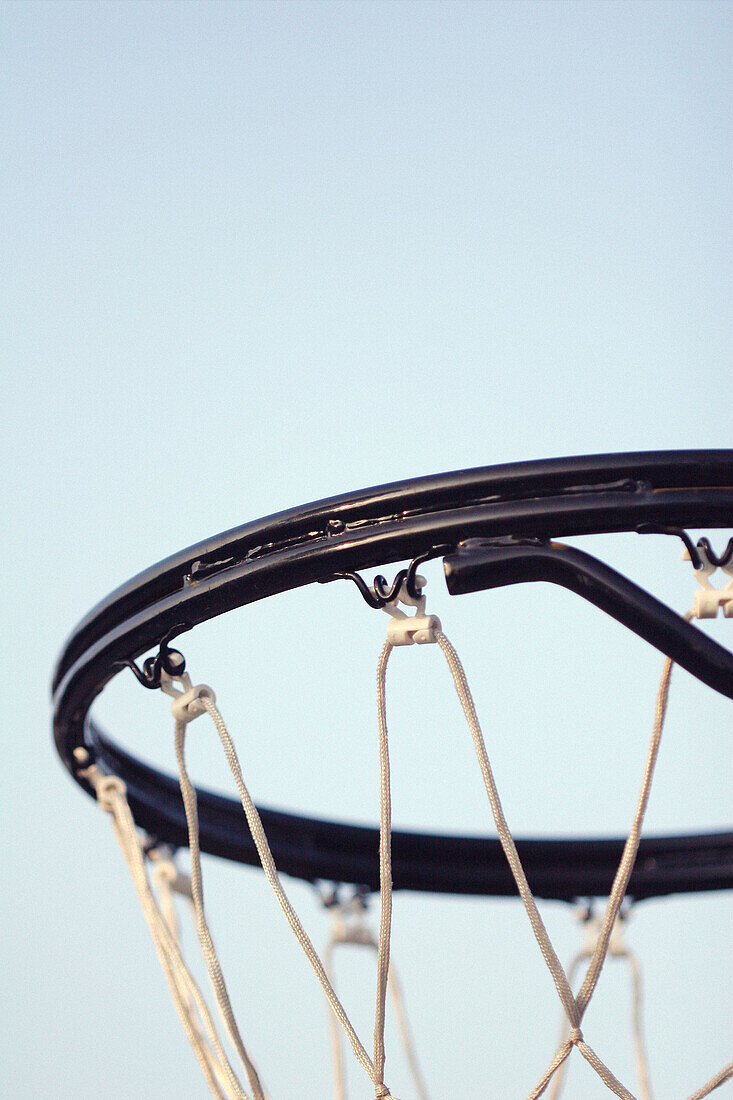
(492, 527)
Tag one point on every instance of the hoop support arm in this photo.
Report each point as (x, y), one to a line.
(480, 564)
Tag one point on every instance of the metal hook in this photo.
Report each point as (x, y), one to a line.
(386, 594)
(166, 660)
(725, 557)
(380, 594)
(694, 551)
(334, 896)
(657, 529)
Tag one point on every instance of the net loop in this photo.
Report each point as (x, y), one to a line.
(108, 788)
(574, 1006)
(349, 926)
(188, 698)
(617, 948)
(257, 831)
(190, 1004)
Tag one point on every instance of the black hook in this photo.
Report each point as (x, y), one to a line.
(712, 557)
(380, 594)
(166, 660)
(694, 551)
(369, 596)
(411, 579)
(388, 593)
(335, 896)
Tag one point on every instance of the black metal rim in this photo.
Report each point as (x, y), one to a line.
(560, 497)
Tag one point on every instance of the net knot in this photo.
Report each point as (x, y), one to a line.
(575, 1036)
(109, 789)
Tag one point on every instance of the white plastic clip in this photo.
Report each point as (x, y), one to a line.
(708, 600)
(186, 703)
(348, 923)
(165, 872)
(106, 787)
(617, 947)
(417, 629)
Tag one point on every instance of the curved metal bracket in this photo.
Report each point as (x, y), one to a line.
(166, 660)
(381, 593)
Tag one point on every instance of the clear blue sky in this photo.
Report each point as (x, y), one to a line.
(258, 253)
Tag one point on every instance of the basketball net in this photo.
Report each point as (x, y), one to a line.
(156, 897)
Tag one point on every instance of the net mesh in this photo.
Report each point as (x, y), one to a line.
(195, 1016)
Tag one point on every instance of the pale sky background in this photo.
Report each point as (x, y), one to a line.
(257, 254)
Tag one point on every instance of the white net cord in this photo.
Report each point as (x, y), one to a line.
(207, 946)
(189, 703)
(348, 926)
(617, 949)
(574, 1007)
(187, 997)
(170, 881)
(254, 822)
